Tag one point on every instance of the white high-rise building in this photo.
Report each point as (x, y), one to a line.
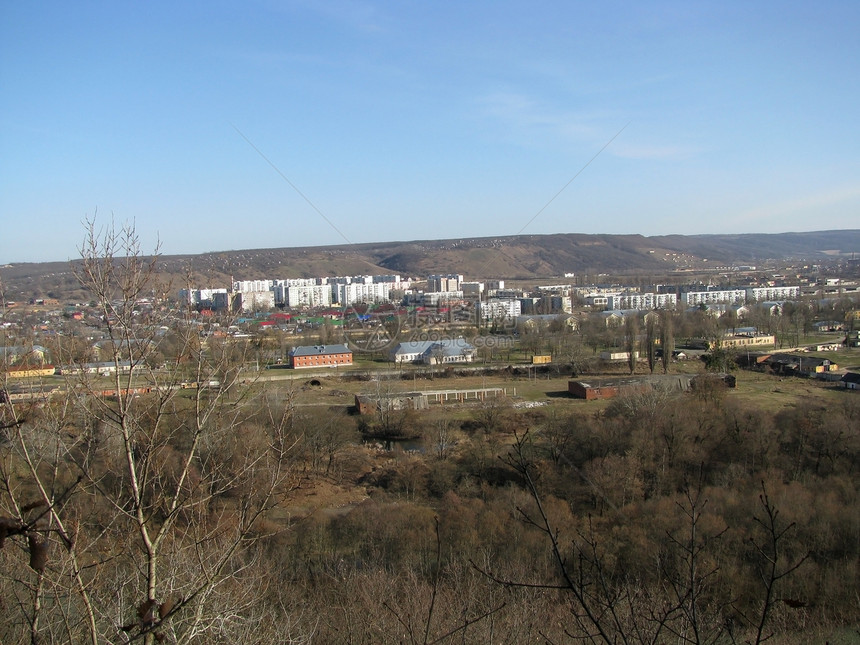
(318, 295)
(196, 296)
(759, 294)
(444, 282)
(252, 285)
(713, 297)
(642, 301)
(496, 309)
(347, 294)
(256, 300)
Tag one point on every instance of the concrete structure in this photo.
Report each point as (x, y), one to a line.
(394, 280)
(714, 296)
(252, 285)
(597, 299)
(530, 306)
(296, 282)
(555, 289)
(320, 356)
(222, 300)
(254, 301)
(436, 298)
(558, 304)
(472, 289)
(746, 341)
(651, 300)
(498, 309)
(607, 388)
(200, 297)
(444, 282)
(361, 292)
(371, 403)
(618, 356)
(318, 295)
(758, 294)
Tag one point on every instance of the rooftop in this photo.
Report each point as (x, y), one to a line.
(315, 350)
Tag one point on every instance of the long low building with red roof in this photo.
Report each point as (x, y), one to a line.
(320, 356)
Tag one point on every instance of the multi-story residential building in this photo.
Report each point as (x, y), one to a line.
(556, 304)
(498, 309)
(318, 295)
(296, 282)
(280, 287)
(395, 279)
(472, 289)
(243, 286)
(254, 300)
(558, 289)
(347, 294)
(444, 282)
(546, 305)
(196, 297)
(713, 297)
(505, 294)
(436, 298)
(757, 294)
(530, 305)
(649, 300)
(337, 279)
(222, 300)
(592, 289)
(597, 299)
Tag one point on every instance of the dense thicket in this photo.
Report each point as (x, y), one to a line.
(667, 509)
(657, 519)
(187, 515)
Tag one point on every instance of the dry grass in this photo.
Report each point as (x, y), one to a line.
(775, 393)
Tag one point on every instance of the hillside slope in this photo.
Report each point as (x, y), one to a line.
(512, 257)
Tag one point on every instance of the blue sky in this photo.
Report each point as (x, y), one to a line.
(419, 120)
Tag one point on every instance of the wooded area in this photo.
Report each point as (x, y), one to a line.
(684, 517)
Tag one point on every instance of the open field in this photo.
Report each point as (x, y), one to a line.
(765, 391)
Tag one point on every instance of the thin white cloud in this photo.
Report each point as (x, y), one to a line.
(525, 118)
(359, 16)
(522, 115)
(666, 152)
(811, 205)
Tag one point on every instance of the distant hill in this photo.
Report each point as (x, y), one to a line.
(514, 257)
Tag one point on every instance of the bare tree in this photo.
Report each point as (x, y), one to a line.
(650, 342)
(631, 340)
(667, 338)
(772, 567)
(151, 495)
(603, 609)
